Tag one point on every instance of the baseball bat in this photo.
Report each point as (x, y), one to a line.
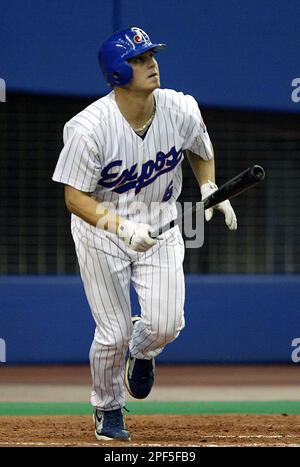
(233, 187)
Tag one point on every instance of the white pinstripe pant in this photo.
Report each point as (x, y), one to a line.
(107, 267)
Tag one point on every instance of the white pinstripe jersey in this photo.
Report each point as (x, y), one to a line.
(103, 155)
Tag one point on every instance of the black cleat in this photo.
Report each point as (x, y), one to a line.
(109, 425)
(139, 374)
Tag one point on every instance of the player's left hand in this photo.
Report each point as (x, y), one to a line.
(225, 207)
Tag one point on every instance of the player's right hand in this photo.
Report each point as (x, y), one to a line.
(136, 235)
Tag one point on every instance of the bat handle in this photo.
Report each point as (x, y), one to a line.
(162, 230)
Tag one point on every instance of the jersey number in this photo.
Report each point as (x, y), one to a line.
(168, 192)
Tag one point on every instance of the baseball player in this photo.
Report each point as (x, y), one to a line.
(121, 167)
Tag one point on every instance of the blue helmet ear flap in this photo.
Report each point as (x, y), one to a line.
(119, 75)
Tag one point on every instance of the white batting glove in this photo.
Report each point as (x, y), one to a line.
(136, 235)
(225, 207)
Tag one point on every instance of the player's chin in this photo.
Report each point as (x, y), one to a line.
(155, 87)
(153, 84)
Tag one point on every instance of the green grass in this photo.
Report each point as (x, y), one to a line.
(147, 408)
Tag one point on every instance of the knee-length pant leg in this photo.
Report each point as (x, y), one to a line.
(106, 279)
(159, 282)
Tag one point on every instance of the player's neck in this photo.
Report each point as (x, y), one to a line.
(135, 107)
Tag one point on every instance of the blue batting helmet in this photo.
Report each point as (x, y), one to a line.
(118, 48)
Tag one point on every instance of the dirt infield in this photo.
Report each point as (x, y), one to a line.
(156, 430)
(200, 383)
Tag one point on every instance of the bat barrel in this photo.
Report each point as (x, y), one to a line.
(258, 172)
(240, 183)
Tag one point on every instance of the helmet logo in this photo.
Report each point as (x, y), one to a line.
(138, 38)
